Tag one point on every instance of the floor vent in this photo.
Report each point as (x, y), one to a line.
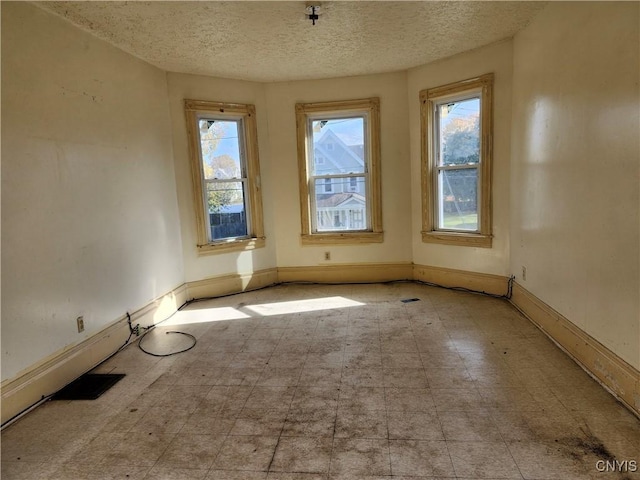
(89, 386)
(409, 300)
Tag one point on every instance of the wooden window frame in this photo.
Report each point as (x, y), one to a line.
(306, 111)
(194, 110)
(429, 98)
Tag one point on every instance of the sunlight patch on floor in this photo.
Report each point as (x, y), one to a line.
(218, 314)
(300, 306)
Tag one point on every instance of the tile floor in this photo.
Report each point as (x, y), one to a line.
(335, 382)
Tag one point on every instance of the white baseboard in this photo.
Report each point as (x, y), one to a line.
(616, 375)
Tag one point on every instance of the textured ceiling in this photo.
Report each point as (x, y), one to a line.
(274, 41)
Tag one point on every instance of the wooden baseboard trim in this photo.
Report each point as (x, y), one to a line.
(347, 273)
(616, 375)
(232, 283)
(55, 371)
(447, 277)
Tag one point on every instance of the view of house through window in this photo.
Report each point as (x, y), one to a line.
(337, 174)
(458, 140)
(339, 170)
(223, 170)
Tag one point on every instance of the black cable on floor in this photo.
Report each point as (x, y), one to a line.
(389, 282)
(203, 299)
(166, 354)
(133, 330)
(46, 398)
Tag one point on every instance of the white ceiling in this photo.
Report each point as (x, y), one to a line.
(274, 41)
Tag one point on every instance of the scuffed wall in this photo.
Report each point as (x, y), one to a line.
(195, 87)
(575, 218)
(89, 218)
(496, 59)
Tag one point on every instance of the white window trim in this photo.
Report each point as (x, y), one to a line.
(370, 108)
(428, 100)
(194, 111)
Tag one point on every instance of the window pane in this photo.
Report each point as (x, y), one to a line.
(220, 149)
(227, 211)
(458, 199)
(338, 146)
(340, 208)
(459, 135)
(341, 185)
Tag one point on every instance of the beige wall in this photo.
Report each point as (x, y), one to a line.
(196, 87)
(575, 163)
(98, 205)
(496, 58)
(396, 200)
(89, 215)
(275, 110)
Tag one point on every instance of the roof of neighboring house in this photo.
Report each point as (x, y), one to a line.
(348, 142)
(337, 199)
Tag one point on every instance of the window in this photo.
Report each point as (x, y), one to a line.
(340, 196)
(456, 123)
(224, 159)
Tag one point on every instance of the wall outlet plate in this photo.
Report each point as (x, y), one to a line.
(80, 322)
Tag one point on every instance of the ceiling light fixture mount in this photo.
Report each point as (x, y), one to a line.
(313, 12)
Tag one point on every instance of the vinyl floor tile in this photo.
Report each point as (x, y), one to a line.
(455, 385)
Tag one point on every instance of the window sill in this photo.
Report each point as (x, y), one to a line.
(458, 238)
(232, 246)
(347, 238)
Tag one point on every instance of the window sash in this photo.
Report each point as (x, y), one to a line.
(439, 197)
(474, 95)
(480, 89)
(312, 177)
(439, 167)
(248, 173)
(315, 228)
(370, 108)
(244, 185)
(338, 175)
(311, 163)
(243, 179)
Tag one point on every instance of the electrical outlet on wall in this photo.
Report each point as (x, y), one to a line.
(80, 322)
(327, 255)
(524, 272)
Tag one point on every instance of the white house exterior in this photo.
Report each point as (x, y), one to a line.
(340, 200)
